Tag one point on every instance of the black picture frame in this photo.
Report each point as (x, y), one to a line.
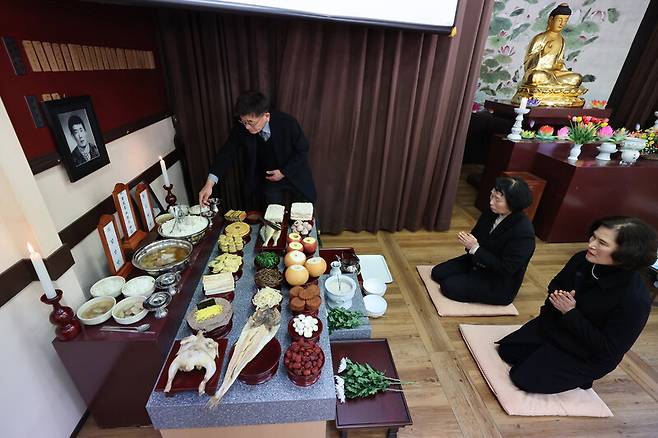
(78, 137)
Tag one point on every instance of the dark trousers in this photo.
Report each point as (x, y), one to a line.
(545, 369)
(282, 193)
(460, 282)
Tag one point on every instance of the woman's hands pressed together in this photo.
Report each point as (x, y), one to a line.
(467, 239)
(562, 300)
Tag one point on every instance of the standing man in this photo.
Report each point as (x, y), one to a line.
(276, 153)
(84, 151)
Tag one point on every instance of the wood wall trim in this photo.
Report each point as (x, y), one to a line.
(18, 276)
(21, 274)
(85, 224)
(45, 162)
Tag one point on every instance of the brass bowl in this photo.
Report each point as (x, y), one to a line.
(157, 246)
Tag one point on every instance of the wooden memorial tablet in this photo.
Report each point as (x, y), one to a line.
(145, 206)
(116, 258)
(132, 235)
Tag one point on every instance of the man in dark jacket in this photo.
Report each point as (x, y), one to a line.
(85, 150)
(276, 153)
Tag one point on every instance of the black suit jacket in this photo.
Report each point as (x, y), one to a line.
(609, 316)
(77, 157)
(504, 254)
(290, 147)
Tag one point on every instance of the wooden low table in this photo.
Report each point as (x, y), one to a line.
(384, 410)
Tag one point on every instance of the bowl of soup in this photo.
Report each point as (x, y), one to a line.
(96, 311)
(168, 255)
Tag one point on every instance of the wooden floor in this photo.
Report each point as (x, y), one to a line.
(452, 399)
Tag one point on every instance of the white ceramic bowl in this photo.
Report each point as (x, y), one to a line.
(374, 286)
(345, 294)
(108, 287)
(95, 319)
(142, 286)
(375, 305)
(126, 303)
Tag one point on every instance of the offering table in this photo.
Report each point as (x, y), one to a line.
(115, 372)
(277, 407)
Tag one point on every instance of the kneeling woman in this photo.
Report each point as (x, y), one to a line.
(596, 308)
(498, 250)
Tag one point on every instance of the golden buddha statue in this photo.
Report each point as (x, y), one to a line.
(546, 78)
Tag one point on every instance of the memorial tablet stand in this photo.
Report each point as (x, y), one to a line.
(116, 258)
(145, 206)
(132, 235)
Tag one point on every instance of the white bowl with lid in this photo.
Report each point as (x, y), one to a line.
(375, 305)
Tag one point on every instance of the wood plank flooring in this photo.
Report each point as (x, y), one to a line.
(451, 398)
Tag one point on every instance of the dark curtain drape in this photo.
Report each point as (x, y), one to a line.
(385, 111)
(635, 95)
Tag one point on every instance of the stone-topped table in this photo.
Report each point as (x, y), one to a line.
(276, 407)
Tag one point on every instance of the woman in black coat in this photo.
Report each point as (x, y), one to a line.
(498, 250)
(596, 308)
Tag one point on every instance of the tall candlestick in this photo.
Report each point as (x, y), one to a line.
(165, 175)
(42, 273)
(524, 103)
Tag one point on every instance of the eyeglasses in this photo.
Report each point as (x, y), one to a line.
(251, 123)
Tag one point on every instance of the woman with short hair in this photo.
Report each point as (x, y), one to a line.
(498, 249)
(596, 308)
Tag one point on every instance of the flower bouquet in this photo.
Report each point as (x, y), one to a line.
(545, 133)
(532, 102)
(355, 380)
(599, 103)
(650, 151)
(582, 130)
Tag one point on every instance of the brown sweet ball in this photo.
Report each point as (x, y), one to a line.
(313, 304)
(306, 294)
(295, 291)
(314, 289)
(297, 304)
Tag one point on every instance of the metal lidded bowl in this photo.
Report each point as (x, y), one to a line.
(149, 249)
(193, 237)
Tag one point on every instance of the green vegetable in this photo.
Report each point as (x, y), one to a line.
(344, 319)
(362, 380)
(267, 260)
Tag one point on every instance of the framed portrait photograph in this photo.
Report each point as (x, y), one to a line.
(77, 135)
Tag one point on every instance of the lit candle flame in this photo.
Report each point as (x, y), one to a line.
(30, 248)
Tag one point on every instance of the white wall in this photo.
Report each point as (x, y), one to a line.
(37, 397)
(34, 383)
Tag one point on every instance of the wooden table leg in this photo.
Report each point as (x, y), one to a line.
(392, 432)
(343, 434)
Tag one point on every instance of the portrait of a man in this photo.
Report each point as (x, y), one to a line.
(85, 149)
(77, 135)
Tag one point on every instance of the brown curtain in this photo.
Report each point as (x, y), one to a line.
(385, 111)
(635, 95)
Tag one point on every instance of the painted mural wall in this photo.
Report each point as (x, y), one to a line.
(598, 37)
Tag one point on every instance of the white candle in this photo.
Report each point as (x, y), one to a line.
(42, 273)
(524, 102)
(165, 175)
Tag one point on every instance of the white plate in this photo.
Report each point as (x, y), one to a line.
(374, 266)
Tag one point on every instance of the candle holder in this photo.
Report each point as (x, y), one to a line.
(170, 198)
(516, 129)
(62, 317)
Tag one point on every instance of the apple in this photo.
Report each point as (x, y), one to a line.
(316, 266)
(310, 245)
(296, 275)
(295, 246)
(294, 258)
(294, 237)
